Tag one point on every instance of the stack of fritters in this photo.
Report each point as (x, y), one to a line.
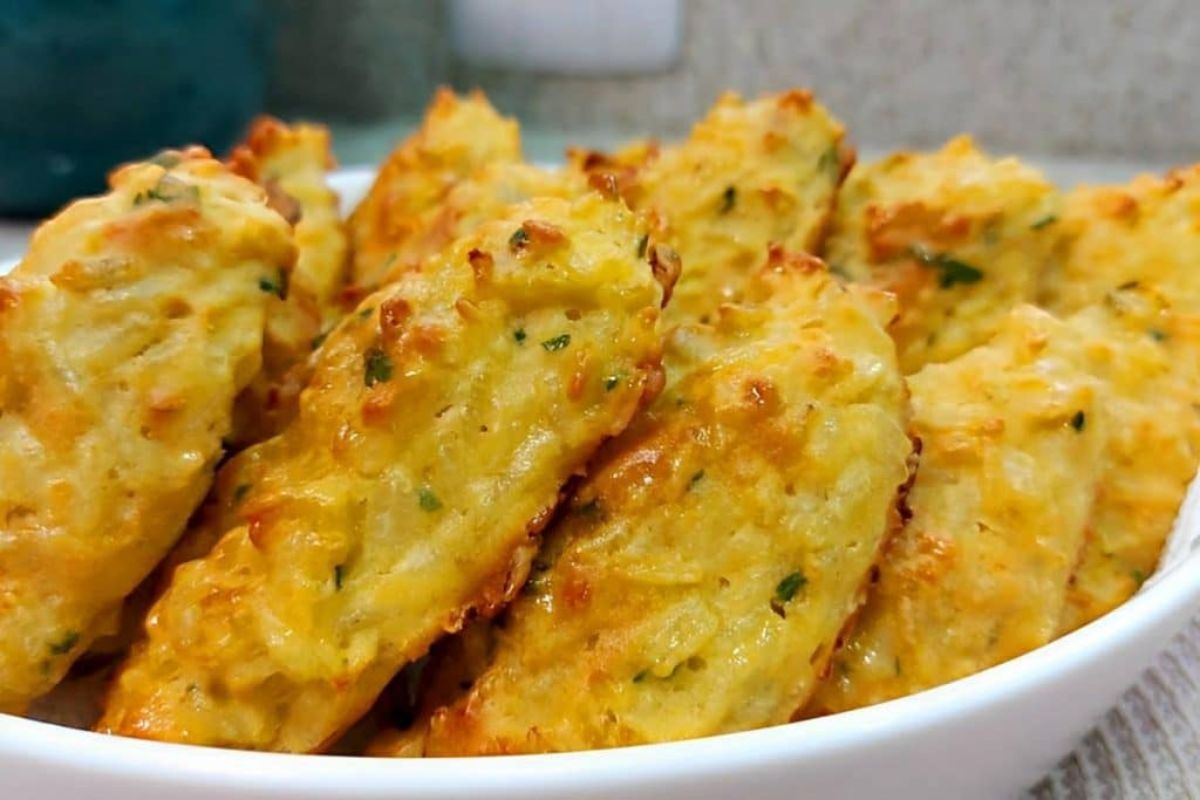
(610, 438)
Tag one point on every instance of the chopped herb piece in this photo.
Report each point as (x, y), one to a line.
(338, 575)
(952, 270)
(557, 343)
(535, 586)
(1078, 421)
(319, 340)
(591, 508)
(829, 160)
(168, 190)
(64, 645)
(366, 312)
(788, 587)
(1157, 335)
(240, 491)
(840, 271)
(277, 285)
(377, 367)
(728, 199)
(641, 676)
(696, 478)
(428, 500)
(642, 242)
(1049, 219)
(1127, 285)
(519, 239)
(1138, 576)
(519, 335)
(611, 382)
(897, 665)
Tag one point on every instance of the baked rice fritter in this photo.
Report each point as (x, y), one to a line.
(704, 569)
(1011, 435)
(958, 237)
(125, 334)
(441, 422)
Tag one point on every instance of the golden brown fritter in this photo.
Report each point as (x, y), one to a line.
(958, 237)
(458, 137)
(750, 175)
(1011, 437)
(1130, 264)
(707, 564)
(292, 163)
(481, 196)
(1145, 353)
(125, 334)
(441, 422)
(1148, 232)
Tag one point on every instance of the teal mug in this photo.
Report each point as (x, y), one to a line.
(88, 84)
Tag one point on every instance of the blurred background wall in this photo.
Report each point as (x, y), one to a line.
(1091, 78)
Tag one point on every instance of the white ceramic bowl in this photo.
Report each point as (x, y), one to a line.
(989, 735)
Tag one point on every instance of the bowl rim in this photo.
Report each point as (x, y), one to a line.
(1169, 593)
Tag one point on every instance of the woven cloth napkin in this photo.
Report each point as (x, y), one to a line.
(1148, 744)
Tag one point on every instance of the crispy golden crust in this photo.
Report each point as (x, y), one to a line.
(1011, 435)
(471, 201)
(125, 333)
(707, 564)
(750, 175)
(1148, 231)
(457, 137)
(292, 163)
(1146, 354)
(431, 445)
(958, 237)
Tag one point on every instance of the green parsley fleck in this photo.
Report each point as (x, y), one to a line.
(277, 285)
(829, 160)
(840, 271)
(788, 587)
(1049, 219)
(642, 243)
(168, 190)
(897, 666)
(65, 644)
(519, 335)
(728, 199)
(641, 676)
(428, 500)
(319, 340)
(696, 478)
(519, 239)
(1139, 577)
(240, 491)
(1078, 421)
(1158, 335)
(952, 270)
(557, 343)
(339, 575)
(611, 382)
(591, 509)
(377, 367)
(366, 312)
